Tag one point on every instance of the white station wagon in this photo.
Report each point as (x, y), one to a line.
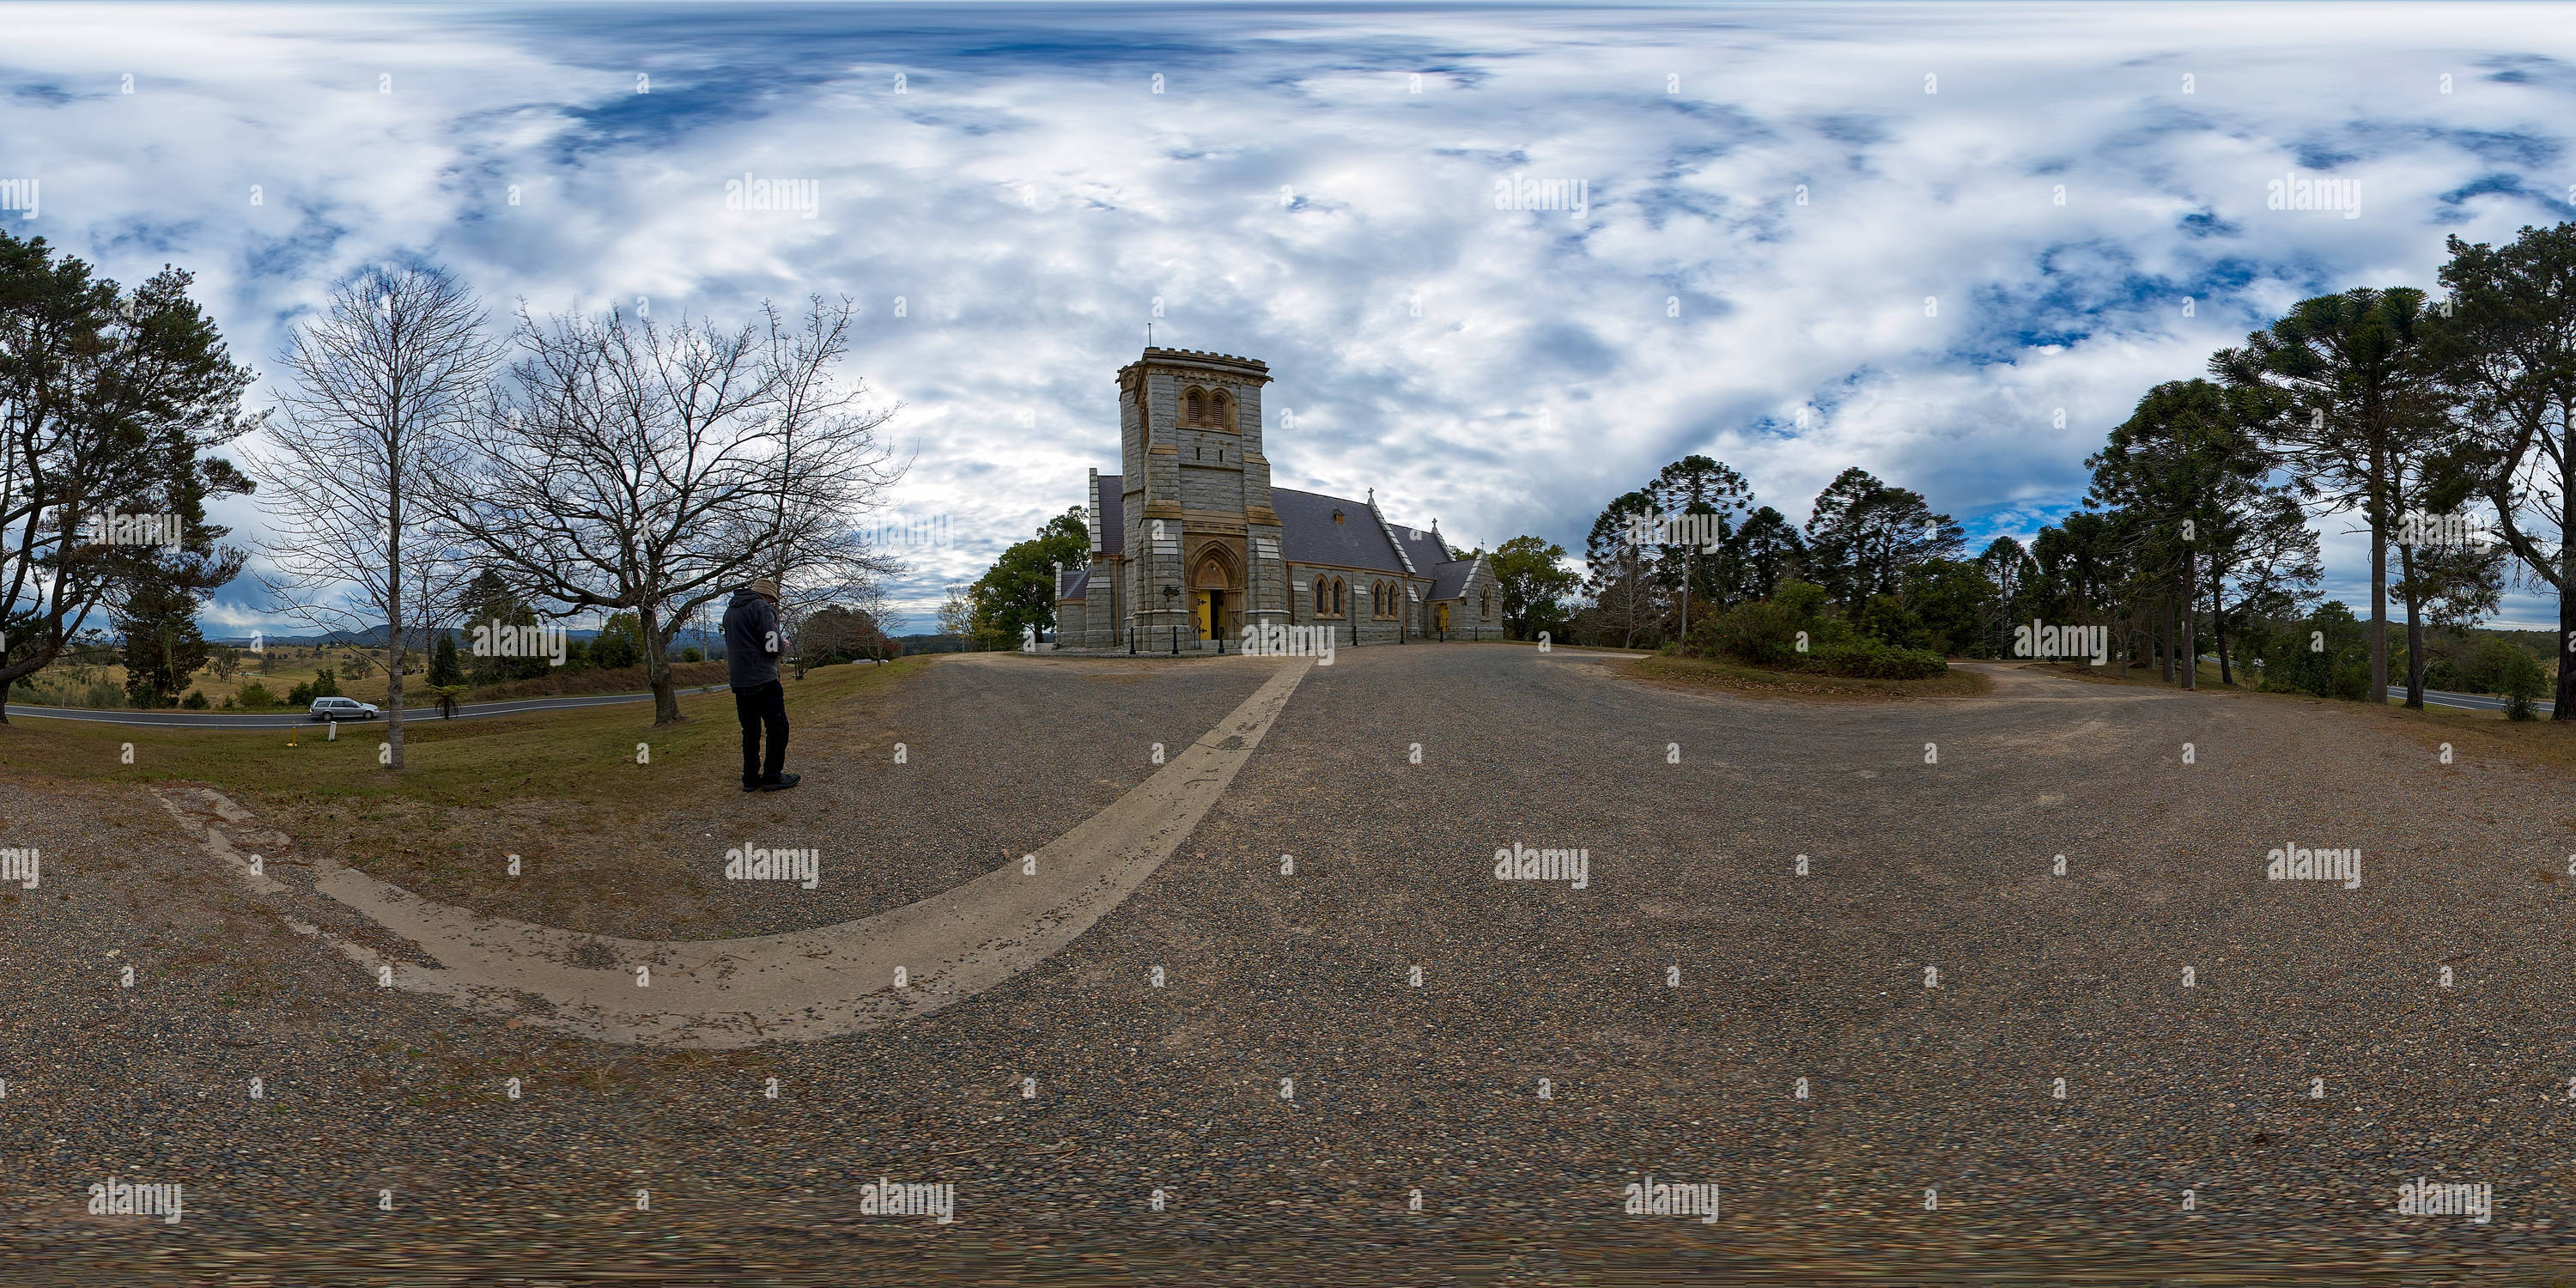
(336, 709)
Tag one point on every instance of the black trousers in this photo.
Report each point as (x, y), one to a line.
(763, 705)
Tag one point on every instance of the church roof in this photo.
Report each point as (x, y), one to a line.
(1307, 533)
(1449, 580)
(1073, 583)
(1425, 548)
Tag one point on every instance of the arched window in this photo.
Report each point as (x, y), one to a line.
(1323, 596)
(1221, 412)
(1337, 597)
(1192, 408)
(1485, 604)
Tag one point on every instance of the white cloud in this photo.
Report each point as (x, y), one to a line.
(1028, 196)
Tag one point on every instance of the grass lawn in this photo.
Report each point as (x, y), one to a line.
(563, 788)
(282, 668)
(1737, 677)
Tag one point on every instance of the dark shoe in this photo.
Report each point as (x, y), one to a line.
(784, 782)
(751, 785)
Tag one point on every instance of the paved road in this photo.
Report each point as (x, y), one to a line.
(2468, 701)
(1245, 1036)
(294, 720)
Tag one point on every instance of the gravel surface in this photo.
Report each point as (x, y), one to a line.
(1306, 977)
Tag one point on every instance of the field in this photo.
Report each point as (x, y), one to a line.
(281, 668)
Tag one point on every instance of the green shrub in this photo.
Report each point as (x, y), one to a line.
(255, 696)
(1870, 659)
(1796, 630)
(2328, 655)
(2522, 681)
(693, 655)
(104, 696)
(1765, 631)
(196, 701)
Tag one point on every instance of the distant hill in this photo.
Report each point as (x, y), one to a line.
(932, 643)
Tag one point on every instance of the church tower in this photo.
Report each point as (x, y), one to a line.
(1202, 542)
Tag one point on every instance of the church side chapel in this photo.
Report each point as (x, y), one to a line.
(1190, 541)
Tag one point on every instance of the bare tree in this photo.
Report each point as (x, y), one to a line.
(387, 378)
(629, 466)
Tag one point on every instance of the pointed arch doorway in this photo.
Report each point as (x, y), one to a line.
(1216, 593)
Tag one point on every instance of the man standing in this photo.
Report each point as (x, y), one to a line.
(752, 648)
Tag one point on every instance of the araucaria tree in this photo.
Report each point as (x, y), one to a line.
(2349, 404)
(627, 466)
(2507, 351)
(388, 376)
(110, 401)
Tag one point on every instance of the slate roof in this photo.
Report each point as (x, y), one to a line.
(1074, 584)
(1419, 543)
(1449, 580)
(1307, 533)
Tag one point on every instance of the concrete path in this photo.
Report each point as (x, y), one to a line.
(815, 983)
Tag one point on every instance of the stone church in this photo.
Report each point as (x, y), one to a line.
(1189, 534)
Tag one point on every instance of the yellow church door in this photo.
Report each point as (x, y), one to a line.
(1206, 613)
(1439, 617)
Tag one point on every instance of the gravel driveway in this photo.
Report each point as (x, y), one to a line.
(1289, 1088)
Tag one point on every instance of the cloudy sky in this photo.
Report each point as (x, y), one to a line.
(1905, 237)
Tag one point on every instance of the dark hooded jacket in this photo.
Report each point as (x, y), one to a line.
(752, 646)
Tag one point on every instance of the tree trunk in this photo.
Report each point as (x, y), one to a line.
(2378, 583)
(2414, 636)
(2566, 696)
(2218, 623)
(657, 667)
(2164, 639)
(394, 644)
(2186, 606)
